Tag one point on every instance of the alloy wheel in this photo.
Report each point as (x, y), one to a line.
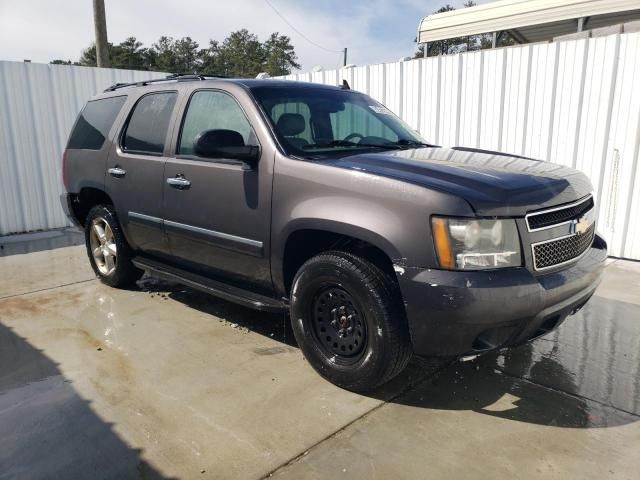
(103, 246)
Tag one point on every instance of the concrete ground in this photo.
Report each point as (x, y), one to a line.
(164, 382)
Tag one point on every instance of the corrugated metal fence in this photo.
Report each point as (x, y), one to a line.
(38, 105)
(575, 103)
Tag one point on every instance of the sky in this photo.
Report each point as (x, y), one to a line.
(374, 31)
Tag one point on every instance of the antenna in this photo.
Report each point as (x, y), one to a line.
(345, 85)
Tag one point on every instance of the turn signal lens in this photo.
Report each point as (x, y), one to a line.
(442, 242)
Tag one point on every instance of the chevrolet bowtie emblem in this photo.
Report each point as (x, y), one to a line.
(580, 225)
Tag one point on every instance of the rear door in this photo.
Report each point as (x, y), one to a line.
(217, 211)
(135, 171)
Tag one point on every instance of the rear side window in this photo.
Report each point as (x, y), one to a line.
(94, 122)
(147, 127)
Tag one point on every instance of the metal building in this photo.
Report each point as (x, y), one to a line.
(529, 21)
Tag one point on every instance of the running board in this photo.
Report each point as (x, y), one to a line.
(219, 289)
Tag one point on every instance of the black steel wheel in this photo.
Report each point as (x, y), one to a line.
(349, 321)
(338, 324)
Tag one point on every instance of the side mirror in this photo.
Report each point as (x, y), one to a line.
(225, 144)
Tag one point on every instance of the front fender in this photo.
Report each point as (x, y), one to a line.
(357, 231)
(389, 214)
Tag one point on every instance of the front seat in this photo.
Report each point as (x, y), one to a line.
(290, 125)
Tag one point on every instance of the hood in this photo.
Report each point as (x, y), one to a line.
(494, 184)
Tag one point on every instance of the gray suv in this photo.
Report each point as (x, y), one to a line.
(318, 201)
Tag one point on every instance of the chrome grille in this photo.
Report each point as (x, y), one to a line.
(555, 216)
(553, 253)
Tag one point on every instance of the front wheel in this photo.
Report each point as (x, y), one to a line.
(348, 319)
(108, 250)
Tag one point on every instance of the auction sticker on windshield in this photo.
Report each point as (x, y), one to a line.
(380, 109)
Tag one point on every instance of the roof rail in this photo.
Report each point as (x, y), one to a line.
(178, 77)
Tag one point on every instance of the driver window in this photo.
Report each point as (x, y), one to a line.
(354, 119)
(211, 110)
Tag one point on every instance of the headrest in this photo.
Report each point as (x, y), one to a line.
(291, 124)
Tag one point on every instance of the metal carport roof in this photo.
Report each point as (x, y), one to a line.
(531, 20)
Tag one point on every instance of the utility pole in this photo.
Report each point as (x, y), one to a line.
(100, 23)
(344, 62)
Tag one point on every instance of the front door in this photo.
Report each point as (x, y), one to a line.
(135, 172)
(217, 211)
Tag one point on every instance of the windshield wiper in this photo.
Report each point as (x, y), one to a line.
(347, 143)
(407, 142)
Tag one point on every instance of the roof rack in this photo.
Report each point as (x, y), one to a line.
(179, 77)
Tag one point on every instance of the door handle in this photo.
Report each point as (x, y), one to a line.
(117, 172)
(179, 182)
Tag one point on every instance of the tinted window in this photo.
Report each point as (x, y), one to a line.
(148, 124)
(94, 122)
(312, 122)
(209, 110)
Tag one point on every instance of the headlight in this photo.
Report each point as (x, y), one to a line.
(476, 244)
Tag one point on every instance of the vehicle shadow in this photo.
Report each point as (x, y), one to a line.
(497, 384)
(48, 429)
(483, 387)
(274, 326)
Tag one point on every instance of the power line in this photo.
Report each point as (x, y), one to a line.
(299, 32)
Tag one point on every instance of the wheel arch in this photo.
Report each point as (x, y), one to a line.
(306, 238)
(87, 198)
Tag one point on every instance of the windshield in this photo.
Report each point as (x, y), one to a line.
(312, 122)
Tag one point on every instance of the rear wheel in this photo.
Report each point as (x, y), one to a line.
(108, 251)
(348, 320)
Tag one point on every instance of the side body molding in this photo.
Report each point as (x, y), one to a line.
(219, 239)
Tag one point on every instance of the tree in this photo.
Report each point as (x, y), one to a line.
(185, 53)
(280, 56)
(212, 59)
(88, 57)
(243, 54)
(164, 55)
(128, 54)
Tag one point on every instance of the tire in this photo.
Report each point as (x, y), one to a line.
(109, 253)
(349, 321)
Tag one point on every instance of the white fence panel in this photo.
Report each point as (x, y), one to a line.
(430, 106)
(575, 103)
(622, 186)
(38, 105)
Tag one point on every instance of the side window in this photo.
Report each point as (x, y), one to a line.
(94, 122)
(147, 127)
(211, 110)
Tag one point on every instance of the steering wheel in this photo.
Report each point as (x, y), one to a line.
(351, 136)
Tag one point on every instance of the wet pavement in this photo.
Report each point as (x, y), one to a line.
(165, 382)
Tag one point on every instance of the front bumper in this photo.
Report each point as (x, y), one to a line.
(463, 313)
